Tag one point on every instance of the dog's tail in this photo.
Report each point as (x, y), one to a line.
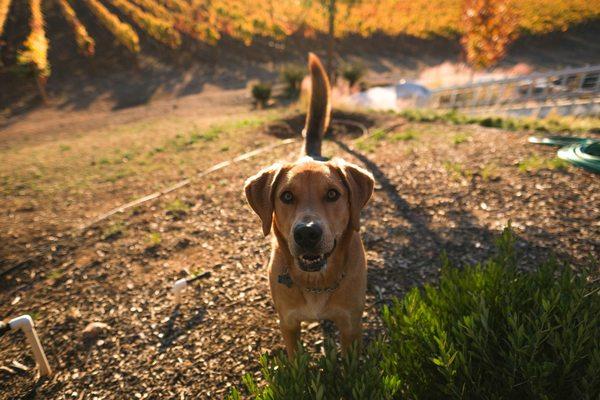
(319, 109)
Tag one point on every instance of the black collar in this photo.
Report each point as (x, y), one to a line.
(286, 279)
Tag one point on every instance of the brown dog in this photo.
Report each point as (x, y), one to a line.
(317, 269)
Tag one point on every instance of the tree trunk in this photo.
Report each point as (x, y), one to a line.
(331, 39)
(41, 85)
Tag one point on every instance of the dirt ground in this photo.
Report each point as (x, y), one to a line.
(439, 187)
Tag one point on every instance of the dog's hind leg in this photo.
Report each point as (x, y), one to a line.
(328, 328)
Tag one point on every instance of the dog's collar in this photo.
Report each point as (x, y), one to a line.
(286, 279)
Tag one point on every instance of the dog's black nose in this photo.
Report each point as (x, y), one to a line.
(307, 235)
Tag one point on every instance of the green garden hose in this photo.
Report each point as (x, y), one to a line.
(557, 140)
(584, 155)
(582, 152)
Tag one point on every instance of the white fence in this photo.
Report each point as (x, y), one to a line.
(573, 91)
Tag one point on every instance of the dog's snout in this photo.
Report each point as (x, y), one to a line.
(308, 235)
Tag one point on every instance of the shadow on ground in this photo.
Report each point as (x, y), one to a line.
(420, 257)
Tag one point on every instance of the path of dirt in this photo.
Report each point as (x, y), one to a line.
(433, 192)
(52, 123)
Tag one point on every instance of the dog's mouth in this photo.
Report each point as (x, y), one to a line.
(314, 262)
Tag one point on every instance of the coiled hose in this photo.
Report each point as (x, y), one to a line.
(581, 152)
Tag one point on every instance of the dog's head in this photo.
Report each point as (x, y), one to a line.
(310, 205)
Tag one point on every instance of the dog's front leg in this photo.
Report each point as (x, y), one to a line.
(291, 336)
(350, 327)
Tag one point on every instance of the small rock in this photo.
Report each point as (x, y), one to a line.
(313, 325)
(95, 329)
(182, 244)
(73, 314)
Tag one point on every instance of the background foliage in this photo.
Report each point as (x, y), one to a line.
(169, 21)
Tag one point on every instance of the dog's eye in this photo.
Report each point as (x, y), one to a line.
(287, 197)
(332, 195)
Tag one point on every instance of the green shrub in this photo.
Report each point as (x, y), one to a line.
(353, 73)
(261, 92)
(487, 331)
(327, 377)
(292, 75)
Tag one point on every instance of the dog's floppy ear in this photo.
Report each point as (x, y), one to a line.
(359, 183)
(259, 193)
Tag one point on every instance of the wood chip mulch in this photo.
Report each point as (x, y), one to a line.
(152, 348)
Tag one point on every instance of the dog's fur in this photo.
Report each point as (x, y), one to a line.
(336, 291)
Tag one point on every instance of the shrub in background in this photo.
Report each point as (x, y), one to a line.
(292, 75)
(353, 73)
(261, 92)
(487, 331)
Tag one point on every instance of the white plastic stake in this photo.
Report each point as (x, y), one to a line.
(180, 285)
(178, 288)
(25, 323)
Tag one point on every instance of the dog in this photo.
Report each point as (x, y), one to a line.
(317, 268)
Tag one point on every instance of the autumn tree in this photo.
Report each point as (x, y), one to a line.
(489, 26)
(333, 11)
(35, 52)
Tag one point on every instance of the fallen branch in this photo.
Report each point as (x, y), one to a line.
(185, 182)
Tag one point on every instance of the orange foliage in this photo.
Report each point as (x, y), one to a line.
(489, 27)
(161, 30)
(85, 43)
(4, 6)
(122, 31)
(486, 26)
(36, 44)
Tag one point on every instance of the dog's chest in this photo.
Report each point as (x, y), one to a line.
(314, 307)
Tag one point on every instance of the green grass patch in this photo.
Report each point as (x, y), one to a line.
(183, 141)
(156, 150)
(246, 123)
(487, 331)
(154, 238)
(113, 231)
(536, 163)
(177, 207)
(552, 124)
(210, 135)
(457, 170)
(460, 138)
(369, 143)
(55, 274)
(405, 136)
(489, 172)
(117, 176)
